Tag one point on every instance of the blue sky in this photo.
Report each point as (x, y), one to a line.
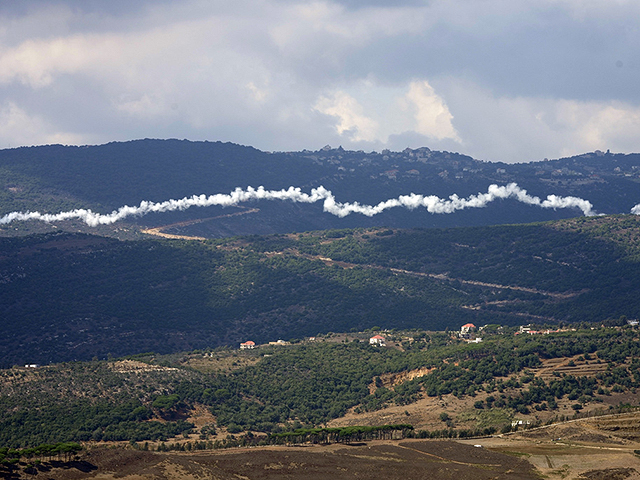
(498, 80)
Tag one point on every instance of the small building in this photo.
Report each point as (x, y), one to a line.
(377, 340)
(248, 345)
(466, 330)
(520, 423)
(32, 365)
(279, 342)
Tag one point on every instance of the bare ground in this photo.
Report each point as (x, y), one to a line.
(400, 460)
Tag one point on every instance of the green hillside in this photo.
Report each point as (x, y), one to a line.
(74, 297)
(56, 178)
(279, 389)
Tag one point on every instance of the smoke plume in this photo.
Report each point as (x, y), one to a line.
(636, 210)
(432, 203)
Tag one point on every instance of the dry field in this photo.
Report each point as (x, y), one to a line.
(599, 448)
(436, 460)
(587, 449)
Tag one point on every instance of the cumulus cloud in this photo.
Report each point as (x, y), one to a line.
(433, 118)
(598, 125)
(350, 116)
(519, 129)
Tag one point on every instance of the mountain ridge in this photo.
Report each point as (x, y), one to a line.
(106, 177)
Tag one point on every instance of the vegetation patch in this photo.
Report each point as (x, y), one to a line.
(494, 417)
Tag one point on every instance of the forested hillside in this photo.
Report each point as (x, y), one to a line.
(57, 178)
(210, 394)
(73, 296)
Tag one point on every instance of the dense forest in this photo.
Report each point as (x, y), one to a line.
(76, 297)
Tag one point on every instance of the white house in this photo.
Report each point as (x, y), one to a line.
(248, 345)
(377, 340)
(466, 329)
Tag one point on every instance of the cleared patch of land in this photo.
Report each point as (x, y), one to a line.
(437, 460)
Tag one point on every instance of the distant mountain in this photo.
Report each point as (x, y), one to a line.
(73, 296)
(57, 178)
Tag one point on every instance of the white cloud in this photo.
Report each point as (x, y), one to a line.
(351, 119)
(147, 106)
(518, 129)
(599, 125)
(259, 94)
(17, 128)
(433, 118)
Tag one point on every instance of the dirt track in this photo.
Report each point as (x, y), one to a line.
(159, 231)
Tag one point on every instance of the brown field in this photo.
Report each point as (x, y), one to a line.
(410, 459)
(221, 362)
(561, 365)
(599, 448)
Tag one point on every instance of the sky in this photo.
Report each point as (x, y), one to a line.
(500, 80)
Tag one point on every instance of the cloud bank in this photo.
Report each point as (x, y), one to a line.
(510, 81)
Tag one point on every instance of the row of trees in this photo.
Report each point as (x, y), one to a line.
(341, 434)
(62, 451)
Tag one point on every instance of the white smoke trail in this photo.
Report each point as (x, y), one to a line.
(636, 210)
(432, 203)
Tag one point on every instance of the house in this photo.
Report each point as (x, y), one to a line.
(466, 330)
(520, 423)
(391, 174)
(279, 342)
(377, 340)
(248, 345)
(31, 365)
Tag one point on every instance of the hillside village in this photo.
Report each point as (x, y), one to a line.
(588, 168)
(468, 332)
